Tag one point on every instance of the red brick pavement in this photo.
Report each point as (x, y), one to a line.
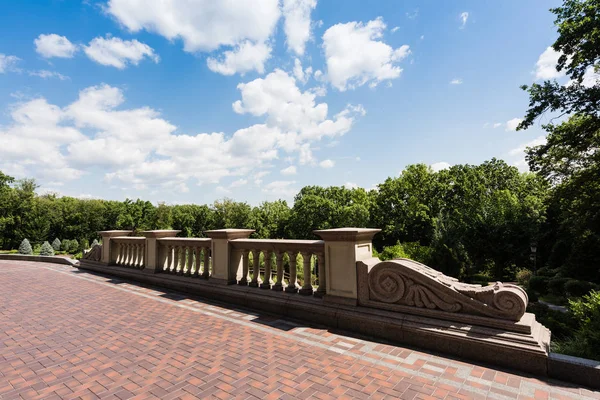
(69, 334)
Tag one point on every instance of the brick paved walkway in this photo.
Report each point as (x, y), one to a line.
(69, 334)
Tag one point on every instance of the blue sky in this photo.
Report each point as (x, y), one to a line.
(195, 100)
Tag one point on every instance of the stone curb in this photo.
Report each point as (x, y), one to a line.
(48, 259)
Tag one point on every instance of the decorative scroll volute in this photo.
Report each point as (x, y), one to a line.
(95, 253)
(409, 283)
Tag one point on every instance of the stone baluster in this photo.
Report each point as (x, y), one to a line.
(142, 256)
(206, 271)
(321, 290)
(119, 254)
(278, 286)
(245, 261)
(138, 256)
(127, 254)
(255, 268)
(134, 255)
(292, 286)
(169, 259)
(190, 261)
(307, 288)
(196, 262)
(181, 260)
(268, 281)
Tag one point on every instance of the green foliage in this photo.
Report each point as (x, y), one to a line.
(539, 284)
(413, 251)
(25, 247)
(556, 286)
(586, 340)
(56, 244)
(561, 324)
(46, 250)
(73, 246)
(523, 276)
(65, 245)
(94, 243)
(576, 288)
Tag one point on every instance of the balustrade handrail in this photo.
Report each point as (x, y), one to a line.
(121, 239)
(177, 241)
(279, 245)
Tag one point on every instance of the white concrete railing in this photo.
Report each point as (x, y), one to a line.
(278, 248)
(184, 256)
(129, 251)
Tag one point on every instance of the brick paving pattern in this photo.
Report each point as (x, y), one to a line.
(69, 334)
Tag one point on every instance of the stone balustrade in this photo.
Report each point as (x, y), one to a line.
(184, 256)
(129, 251)
(399, 300)
(276, 250)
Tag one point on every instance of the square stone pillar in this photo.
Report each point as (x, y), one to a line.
(151, 259)
(343, 248)
(107, 245)
(226, 263)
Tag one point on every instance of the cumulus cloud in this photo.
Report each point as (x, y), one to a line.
(464, 16)
(280, 189)
(438, 166)
(456, 81)
(296, 24)
(545, 67)
(241, 27)
(291, 170)
(302, 75)
(355, 55)
(118, 53)
(8, 63)
(327, 164)
(53, 45)
(245, 57)
(512, 124)
(519, 152)
(497, 125)
(139, 148)
(350, 185)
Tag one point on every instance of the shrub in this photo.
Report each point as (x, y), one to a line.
(46, 250)
(556, 286)
(95, 242)
(85, 244)
(393, 252)
(65, 245)
(586, 340)
(531, 295)
(538, 284)
(56, 244)
(25, 247)
(74, 246)
(575, 288)
(523, 277)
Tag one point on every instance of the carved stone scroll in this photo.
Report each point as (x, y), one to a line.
(409, 283)
(94, 254)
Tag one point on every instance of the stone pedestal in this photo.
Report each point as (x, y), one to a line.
(107, 256)
(151, 256)
(227, 265)
(343, 248)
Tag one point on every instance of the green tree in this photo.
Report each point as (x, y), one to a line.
(46, 250)
(25, 247)
(56, 244)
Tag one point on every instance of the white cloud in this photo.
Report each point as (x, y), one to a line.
(413, 15)
(245, 57)
(497, 125)
(297, 23)
(590, 78)
(202, 25)
(394, 29)
(438, 166)
(291, 170)
(301, 74)
(545, 67)
(456, 81)
(519, 151)
(522, 147)
(138, 148)
(280, 189)
(464, 16)
(53, 45)
(118, 53)
(8, 63)
(45, 74)
(327, 164)
(512, 124)
(354, 56)
(350, 185)
(238, 183)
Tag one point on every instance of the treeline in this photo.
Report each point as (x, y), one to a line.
(467, 221)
